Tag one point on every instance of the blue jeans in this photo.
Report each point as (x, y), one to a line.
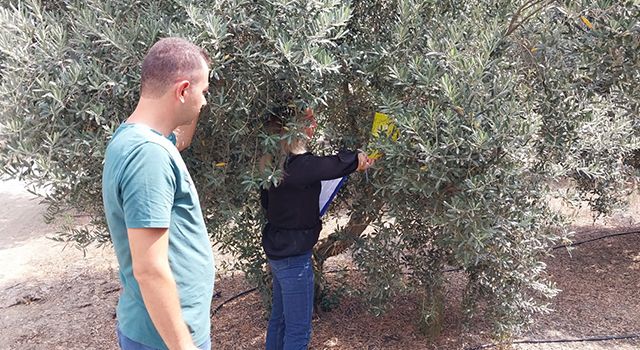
(292, 305)
(128, 344)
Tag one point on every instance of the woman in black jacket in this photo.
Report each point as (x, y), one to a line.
(292, 229)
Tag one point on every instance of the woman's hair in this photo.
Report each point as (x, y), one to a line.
(275, 123)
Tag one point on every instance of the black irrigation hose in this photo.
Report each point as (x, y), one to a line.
(459, 269)
(575, 340)
(595, 239)
(241, 294)
(588, 339)
(572, 244)
(487, 346)
(234, 298)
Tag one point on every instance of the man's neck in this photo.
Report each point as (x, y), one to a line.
(154, 114)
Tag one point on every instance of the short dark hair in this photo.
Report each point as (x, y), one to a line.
(167, 60)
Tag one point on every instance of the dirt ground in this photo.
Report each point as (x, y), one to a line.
(56, 298)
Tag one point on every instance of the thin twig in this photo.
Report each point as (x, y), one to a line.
(513, 25)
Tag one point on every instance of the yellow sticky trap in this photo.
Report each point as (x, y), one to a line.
(586, 22)
(220, 165)
(382, 123)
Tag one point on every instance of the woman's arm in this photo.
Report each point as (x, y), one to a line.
(333, 167)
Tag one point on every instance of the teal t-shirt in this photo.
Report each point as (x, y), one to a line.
(145, 184)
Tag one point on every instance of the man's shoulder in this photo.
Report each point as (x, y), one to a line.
(131, 139)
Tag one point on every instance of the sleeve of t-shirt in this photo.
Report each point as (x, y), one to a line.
(173, 138)
(331, 167)
(147, 187)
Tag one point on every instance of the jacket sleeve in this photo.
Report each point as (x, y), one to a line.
(331, 167)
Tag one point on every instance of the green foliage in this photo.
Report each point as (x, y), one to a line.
(331, 296)
(494, 101)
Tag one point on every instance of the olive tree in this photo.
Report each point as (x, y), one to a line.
(493, 102)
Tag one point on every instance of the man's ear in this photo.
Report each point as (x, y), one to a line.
(182, 86)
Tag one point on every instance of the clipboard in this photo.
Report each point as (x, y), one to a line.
(328, 192)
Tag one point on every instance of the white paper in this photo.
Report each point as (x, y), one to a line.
(329, 190)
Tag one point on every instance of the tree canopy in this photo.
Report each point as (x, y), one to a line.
(494, 102)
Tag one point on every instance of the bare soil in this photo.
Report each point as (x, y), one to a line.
(52, 297)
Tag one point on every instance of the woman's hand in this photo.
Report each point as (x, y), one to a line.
(364, 162)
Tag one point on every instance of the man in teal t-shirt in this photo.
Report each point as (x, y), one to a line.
(153, 210)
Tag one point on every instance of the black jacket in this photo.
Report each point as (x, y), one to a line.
(293, 211)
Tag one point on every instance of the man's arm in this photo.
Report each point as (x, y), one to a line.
(184, 135)
(150, 257)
